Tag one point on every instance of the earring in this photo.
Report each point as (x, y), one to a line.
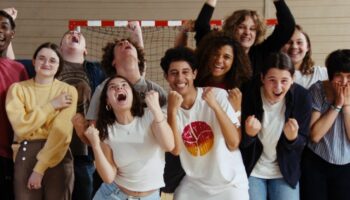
(108, 107)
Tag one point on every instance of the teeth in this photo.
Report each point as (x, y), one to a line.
(181, 85)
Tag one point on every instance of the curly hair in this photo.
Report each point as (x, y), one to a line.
(178, 54)
(232, 22)
(106, 116)
(240, 71)
(307, 65)
(108, 57)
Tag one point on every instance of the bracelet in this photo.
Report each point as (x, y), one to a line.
(336, 108)
(160, 121)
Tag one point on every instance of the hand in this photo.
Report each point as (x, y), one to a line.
(174, 100)
(209, 96)
(235, 98)
(188, 26)
(92, 134)
(152, 100)
(62, 101)
(135, 32)
(80, 125)
(12, 12)
(339, 95)
(34, 181)
(346, 93)
(252, 126)
(291, 129)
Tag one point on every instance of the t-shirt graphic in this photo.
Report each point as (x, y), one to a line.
(198, 138)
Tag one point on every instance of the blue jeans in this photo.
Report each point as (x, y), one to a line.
(112, 192)
(272, 189)
(84, 169)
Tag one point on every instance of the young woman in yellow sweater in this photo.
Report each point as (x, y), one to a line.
(40, 112)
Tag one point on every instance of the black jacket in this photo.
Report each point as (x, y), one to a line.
(298, 106)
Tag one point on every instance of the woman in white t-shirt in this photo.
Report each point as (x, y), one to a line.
(299, 50)
(129, 143)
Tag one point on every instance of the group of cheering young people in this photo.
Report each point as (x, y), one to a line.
(246, 116)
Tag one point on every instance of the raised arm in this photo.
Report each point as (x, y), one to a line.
(174, 102)
(230, 131)
(283, 31)
(13, 13)
(202, 24)
(160, 128)
(103, 154)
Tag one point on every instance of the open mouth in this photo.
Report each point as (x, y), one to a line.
(75, 39)
(121, 97)
(278, 94)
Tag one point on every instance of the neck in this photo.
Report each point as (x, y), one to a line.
(217, 79)
(297, 65)
(43, 80)
(124, 117)
(129, 70)
(73, 56)
(189, 99)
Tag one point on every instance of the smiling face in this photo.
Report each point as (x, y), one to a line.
(180, 77)
(221, 62)
(119, 94)
(6, 33)
(296, 48)
(245, 33)
(276, 83)
(46, 63)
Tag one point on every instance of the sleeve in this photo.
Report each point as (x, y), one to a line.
(283, 30)
(222, 99)
(23, 120)
(60, 135)
(302, 114)
(95, 102)
(202, 24)
(316, 96)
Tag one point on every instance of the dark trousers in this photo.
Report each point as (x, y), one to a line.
(323, 181)
(6, 179)
(84, 169)
(57, 183)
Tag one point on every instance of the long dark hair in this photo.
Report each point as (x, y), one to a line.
(280, 61)
(106, 115)
(240, 71)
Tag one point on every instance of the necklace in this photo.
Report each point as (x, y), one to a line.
(37, 94)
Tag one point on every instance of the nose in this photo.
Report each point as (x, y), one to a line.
(246, 30)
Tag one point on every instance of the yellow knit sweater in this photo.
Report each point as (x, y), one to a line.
(33, 117)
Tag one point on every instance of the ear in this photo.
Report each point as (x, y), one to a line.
(85, 52)
(165, 75)
(33, 63)
(195, 73)
(261, 77)
(12, 34)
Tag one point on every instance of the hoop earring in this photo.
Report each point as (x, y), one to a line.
(108, 107)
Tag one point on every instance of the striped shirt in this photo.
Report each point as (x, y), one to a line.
(334, 147)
